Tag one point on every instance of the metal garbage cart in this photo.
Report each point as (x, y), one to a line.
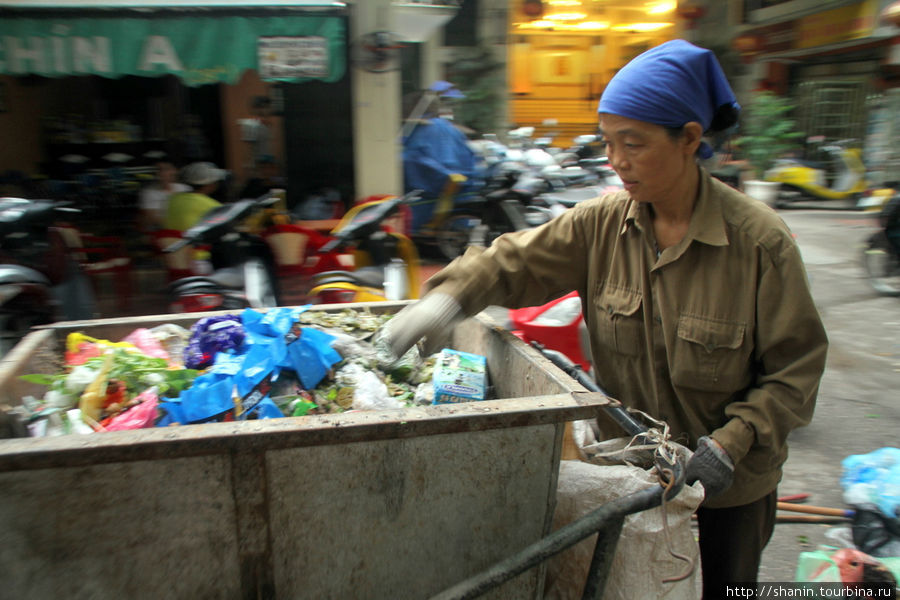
(382, 504)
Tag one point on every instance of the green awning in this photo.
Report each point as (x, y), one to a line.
(198, 49)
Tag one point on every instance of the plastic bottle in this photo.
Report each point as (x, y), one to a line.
(395, 280)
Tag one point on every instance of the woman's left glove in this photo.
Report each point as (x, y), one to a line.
(711, 466)
(431, 317)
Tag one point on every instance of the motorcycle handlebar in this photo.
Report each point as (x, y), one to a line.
(331, 245)
(177, 245)
(353, 228)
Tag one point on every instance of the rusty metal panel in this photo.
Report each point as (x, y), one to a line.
(407, 518)
(144, 529)
(398, 503)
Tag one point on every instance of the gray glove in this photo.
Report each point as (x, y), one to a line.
(431, 317)
(710, 465)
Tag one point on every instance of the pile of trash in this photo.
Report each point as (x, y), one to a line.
(232, 367)
(866, 554)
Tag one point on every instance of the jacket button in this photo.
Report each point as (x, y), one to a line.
(658, 319)
(609, 309)
(710, 347)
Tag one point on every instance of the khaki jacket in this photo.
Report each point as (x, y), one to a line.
(717, 336)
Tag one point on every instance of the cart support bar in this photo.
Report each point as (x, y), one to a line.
(607, 519)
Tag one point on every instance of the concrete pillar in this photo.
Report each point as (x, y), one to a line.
(376, 111)
(431, 67)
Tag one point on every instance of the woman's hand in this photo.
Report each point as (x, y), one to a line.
(711, 466)
(431, 317)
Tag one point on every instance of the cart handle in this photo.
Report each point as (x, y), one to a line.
(632, 426)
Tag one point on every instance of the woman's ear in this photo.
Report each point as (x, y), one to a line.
(692, 134)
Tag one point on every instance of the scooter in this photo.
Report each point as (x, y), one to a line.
(844, 177)
(243, 267)
(881, 256)
(39, 281)
(386, 262)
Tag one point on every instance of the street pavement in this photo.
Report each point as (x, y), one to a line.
(857, 410)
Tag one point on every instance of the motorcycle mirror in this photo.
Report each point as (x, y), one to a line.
(412, 196)
(268, 200)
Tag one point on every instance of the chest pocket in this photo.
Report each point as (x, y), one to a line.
(620, 324)
(710, 354)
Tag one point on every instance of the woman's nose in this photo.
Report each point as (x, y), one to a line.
(617, 160)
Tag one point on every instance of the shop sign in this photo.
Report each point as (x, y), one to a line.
(199, 50)
(837, 25)
(291, 57)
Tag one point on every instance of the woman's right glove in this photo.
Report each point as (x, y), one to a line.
(432, 318)
(710, 465)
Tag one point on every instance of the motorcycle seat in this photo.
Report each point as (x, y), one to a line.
(231, 277)
(367, 276)
(21, 274)
(802, 162)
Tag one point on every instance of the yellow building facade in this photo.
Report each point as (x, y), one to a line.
(562, 53)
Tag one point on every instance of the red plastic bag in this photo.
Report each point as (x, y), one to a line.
(141, 416)
(147, 343)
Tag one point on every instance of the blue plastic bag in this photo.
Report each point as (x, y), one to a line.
(311, 356)
(873, 478)
(269, 343)
(211, 335)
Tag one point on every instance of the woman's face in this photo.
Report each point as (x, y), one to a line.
(166, 172)
(651, 163)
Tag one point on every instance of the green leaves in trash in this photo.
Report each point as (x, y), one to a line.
(138, 371)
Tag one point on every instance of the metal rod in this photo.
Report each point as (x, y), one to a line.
(622, 417)
(601, 563)
(601, 518)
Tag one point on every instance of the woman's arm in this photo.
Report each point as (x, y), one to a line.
(790, 350)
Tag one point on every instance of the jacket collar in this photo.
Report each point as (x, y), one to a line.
(707, 223)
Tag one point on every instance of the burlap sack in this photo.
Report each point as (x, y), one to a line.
(642, 559)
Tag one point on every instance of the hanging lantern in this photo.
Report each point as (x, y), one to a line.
(747, 44)
(891, 14)
(690, 12)
(533, 8)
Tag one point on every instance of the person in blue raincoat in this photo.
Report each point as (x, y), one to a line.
(434, 148)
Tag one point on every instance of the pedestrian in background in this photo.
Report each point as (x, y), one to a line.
(154, 198)
(185, 209)
(695, 297)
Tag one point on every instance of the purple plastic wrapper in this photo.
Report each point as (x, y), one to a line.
(211, 335)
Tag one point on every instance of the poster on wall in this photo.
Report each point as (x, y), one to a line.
(561, 67)
(285, 57)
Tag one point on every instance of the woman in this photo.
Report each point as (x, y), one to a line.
(155, 197)
(695, 297)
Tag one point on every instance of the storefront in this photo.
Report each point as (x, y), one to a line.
(98, 86)
(836, 64)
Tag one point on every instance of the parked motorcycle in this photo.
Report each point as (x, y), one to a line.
(843, 176)
(881, 256)
(243, 266)
(39, 280)
(386, 263)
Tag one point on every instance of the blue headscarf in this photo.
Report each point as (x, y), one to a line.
(670, 85)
